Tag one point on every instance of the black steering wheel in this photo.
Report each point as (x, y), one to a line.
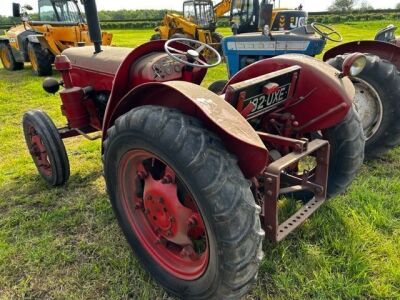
(192, 55)
(326, 32)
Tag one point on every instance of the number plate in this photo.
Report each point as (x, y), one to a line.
(264, 102)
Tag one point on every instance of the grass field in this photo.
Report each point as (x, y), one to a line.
(65, 243)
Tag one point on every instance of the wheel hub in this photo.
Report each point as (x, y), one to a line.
(165, 213)
(369, 107)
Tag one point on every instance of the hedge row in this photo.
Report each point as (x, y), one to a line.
(328, 19)
(144, 24)
(332, 19)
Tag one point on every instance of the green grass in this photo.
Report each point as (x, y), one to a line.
(65, 243)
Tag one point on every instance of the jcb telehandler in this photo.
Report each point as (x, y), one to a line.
(61, 25)
(199, 20)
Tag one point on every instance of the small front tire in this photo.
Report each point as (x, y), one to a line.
(46, 147)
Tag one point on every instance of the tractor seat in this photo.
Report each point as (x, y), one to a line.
(107, 61)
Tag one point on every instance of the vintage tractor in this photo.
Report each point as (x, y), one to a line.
(61, 25)
(377, 88)
(193, 176)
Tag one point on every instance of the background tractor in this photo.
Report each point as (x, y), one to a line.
(199, 20)
(61, 25)
(377, 88)
(193, 176)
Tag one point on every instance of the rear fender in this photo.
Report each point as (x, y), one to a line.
(322, 99)
(384, 50)
(216, 114)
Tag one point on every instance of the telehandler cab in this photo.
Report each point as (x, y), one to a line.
(61, 25)
(194, 177)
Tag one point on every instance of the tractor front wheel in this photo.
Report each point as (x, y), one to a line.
(8, 60)
(183, 204)
(46, 147)
(41, 60)
(377, 90)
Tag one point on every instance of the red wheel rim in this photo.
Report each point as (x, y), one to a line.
(38, 152)
(163, 215)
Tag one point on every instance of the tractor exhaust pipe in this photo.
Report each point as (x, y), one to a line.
(93, 23)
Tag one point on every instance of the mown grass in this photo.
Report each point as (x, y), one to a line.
(65, 243)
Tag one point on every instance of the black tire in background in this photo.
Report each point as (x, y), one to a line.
(217, 86)
(155, 37)
(41, 59)
(347, 144)
(218, 186)
(44, 127)
(8, 60)
(379, 85)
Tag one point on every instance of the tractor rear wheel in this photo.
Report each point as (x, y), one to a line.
(41, 60)
(8, 60)
(183, 204)
(46, 147)
(377, 90)
(347, 143)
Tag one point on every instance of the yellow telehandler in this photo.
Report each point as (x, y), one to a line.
(61, 25)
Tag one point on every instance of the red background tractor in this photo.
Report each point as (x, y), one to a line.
(193, 176)
(377, 88)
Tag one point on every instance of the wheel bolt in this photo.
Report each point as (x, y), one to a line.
(161, 200)
(169, 233)
(172, 219)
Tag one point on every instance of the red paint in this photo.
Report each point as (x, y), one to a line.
(316, 83)
(165, 225)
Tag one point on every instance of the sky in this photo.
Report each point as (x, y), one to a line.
(309, 5)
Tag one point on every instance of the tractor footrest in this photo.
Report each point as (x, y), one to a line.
(280, 179)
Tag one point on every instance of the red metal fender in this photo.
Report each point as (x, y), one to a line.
(384, 50)
(216, 114)
(325, 98)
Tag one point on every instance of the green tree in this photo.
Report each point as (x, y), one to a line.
(397, 6)
(342, 5)
(364, 6)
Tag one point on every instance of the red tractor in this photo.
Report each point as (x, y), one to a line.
(377, 88)
(194, 177)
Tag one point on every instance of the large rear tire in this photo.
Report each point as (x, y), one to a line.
(46, 147)
(153, 151)
(347, 143)
(41, 60)
(377, 94)
(8, 60)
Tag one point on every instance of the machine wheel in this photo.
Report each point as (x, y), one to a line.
(217, 86)
(183, 204)
(46, 147)
(376, 100)
(8, 60)
(216, 37)
(40, 59)
(347, 143)
(155, 37)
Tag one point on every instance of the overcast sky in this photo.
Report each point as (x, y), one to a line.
(309, 5)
